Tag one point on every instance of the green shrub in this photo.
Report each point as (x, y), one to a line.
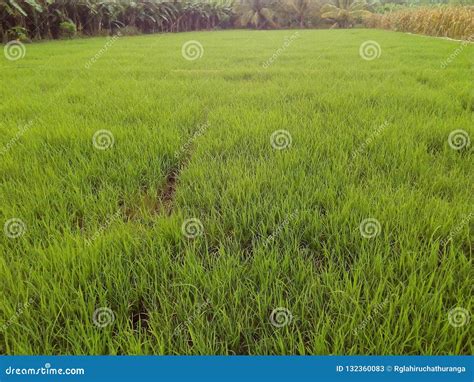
(67, 29)
(18, 33)
(130, 31)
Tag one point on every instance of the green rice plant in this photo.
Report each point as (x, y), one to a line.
(156, 199)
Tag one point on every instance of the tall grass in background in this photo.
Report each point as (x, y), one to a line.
(447, 21)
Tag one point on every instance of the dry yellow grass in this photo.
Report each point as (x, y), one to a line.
(446, 21)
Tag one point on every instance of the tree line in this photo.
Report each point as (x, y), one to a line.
(52, 19)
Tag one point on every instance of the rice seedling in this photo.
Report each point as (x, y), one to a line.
(185, 194)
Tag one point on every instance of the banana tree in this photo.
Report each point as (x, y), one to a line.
(345, 12)
(298, 11)
(12, 14)
(43, 18)
(257, 14)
